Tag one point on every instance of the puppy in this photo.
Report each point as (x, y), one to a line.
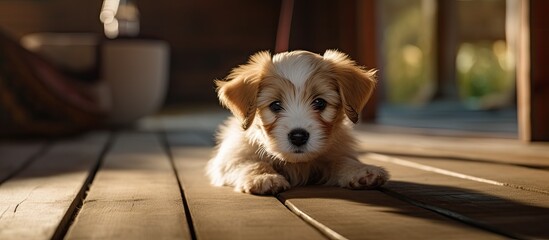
(292, 124)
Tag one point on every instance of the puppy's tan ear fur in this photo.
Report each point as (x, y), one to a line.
(355, 83)
(239, 91)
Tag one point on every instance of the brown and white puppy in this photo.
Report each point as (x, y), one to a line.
(291, 124)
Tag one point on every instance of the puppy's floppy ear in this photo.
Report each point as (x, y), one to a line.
(355, 83)
(239, 92)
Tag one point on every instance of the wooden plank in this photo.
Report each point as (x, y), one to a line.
(367, 48)
(135, 195)
(507, 210)
(41, 198)
(284, 25)
(524, 87)
(221, 213)
(446, 46)
(15, 156)
(539, 74)
(514, 175)
(374, 215)
(534, 155)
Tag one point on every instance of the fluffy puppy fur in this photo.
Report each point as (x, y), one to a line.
(291, 124)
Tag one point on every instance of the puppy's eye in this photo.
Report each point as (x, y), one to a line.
(276, 106)
(319, 104)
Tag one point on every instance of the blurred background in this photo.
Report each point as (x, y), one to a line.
(447, 64)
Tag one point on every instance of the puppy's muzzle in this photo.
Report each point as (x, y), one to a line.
(298, 137)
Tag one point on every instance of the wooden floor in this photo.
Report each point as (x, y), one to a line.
(149, 183)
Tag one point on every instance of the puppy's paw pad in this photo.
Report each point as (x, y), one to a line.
(369, 177)
(266, 184)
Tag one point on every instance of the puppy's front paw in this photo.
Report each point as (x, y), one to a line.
(264, 184)
(368, 177)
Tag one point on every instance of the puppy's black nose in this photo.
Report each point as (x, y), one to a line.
(298, 137)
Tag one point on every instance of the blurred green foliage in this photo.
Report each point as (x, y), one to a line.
(408, 45)
(485, 73)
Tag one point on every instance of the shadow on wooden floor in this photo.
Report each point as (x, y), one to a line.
(512, 212)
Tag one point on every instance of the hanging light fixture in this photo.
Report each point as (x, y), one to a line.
(119, 18)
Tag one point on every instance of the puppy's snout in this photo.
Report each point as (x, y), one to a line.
(298, 137)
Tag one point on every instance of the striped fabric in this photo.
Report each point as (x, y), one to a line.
(37, 100)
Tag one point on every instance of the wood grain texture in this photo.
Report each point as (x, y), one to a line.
(535, 155)
(516, 176)
(221, 213)
(374, 215)
(135, 195)
(36, 201)
(506, 209)
(523, 60)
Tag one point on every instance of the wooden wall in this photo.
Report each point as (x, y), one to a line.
(319, 25)
(539, 72)
(349, 26)
(19, 17)
(207, 37)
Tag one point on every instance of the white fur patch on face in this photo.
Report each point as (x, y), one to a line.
(297, 114)
(294, 66)
(295, 82)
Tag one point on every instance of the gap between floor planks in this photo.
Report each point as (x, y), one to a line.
(41, 197)
(221, 213)
(513, 212)
(15, 157)
(337, 213)
(519, 198)
(202, 157)
(135, 194)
